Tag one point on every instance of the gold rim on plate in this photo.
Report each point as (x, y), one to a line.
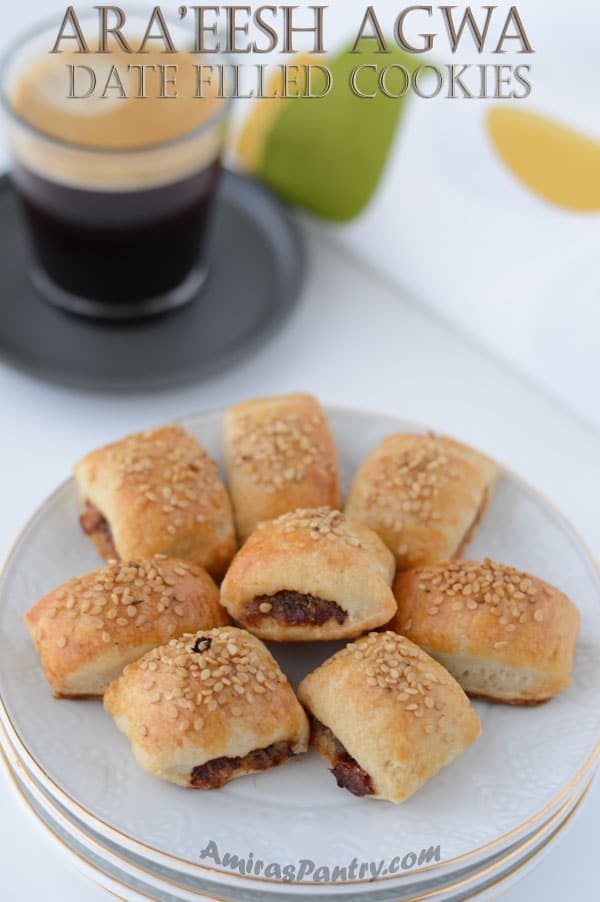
(556, 819)
(151, 852)
(67, 824)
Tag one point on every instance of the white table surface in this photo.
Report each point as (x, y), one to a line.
(353, 340)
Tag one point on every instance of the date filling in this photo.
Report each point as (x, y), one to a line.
(218, 771)
(97, 527)
(346, 770)
(293, 609)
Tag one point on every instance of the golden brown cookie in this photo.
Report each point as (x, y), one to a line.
(156, 492)
(280, 456)
(503, 634)
(424, 495)
(207, 708)
(386, 716)
(310, 574)
(89, 628)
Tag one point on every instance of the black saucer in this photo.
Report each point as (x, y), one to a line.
(256, 270)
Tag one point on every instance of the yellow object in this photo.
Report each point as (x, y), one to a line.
(555, 162)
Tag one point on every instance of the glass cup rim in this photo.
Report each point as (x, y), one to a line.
(43, 25)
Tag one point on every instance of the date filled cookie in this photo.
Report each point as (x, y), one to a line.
(310, 574)
(386, 716)
(89, 628)
(156, 492)
(207, 708)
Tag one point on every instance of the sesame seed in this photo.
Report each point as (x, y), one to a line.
(502, 589)
(319, 523)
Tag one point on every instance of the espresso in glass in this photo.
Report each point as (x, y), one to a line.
(117, 192)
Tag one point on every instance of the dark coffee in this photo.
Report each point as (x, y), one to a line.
(116, 190)
(118, 248)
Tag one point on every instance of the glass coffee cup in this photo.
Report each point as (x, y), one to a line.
(117, 192)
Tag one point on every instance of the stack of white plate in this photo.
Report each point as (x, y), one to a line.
(290, 832)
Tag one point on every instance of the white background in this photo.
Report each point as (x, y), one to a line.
(353, 340)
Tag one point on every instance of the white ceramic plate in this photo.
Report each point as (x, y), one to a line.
(526, 762)
(131, 871)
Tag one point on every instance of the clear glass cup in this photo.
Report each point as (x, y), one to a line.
(116, 232)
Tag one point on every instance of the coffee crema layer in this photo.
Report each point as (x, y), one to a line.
(114, 143)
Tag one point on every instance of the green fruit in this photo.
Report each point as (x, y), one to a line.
(328, 154)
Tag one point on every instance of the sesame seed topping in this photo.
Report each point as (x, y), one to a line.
(122, 593)
(389, 663)
(167, 470)
(409, 479)
(233, 667)
(277, 451)
(319, 523)
(501, 590)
